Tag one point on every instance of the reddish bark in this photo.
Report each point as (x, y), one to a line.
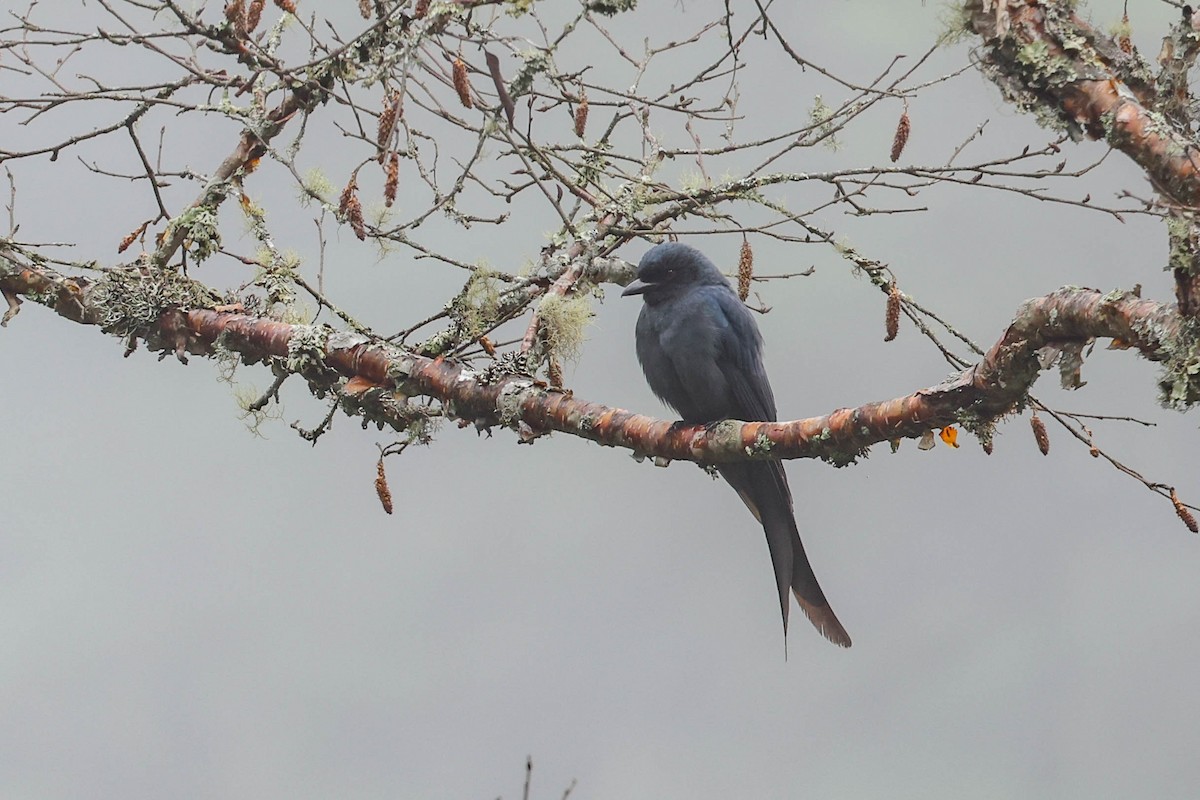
(1066, 65)
(995, 386)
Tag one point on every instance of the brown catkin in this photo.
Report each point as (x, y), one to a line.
(745, 270)
(554, 370)
(347, 195)
(988, 445)
(488, 346)
(287, 5)
(235, 12)
(350, 208)
(1040, 434)
(355, 215)
(421, 9)
(891, 318)
(393, 180)
(903, 128)
(387, 123)
(1184, 513)
(581, 114)
(1123, 40)
(460, 83)
(381, 487)
(364, 8)
(132, 237)
(254, 14)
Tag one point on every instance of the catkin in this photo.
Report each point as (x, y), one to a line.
(891, 318)
(461, 85)
(1184, 513)
(903, 129)
(235, 12)
(387, 122)
(381, 488)
(745, 270)
(393, 180)
(350, 208)
(1040, 434)
(581, 115)
(254, 14)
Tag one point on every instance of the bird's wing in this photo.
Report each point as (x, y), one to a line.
(740, 360)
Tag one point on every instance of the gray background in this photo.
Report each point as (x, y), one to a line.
(187, 610)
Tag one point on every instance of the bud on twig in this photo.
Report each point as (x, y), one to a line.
(1040, 434)
(745, 269)
(460, 83)
(891, 318)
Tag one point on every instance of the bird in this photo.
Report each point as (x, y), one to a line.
(701, 352)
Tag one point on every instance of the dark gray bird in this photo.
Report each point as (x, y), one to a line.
(702, 354)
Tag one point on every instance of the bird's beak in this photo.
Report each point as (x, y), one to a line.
(637, 287)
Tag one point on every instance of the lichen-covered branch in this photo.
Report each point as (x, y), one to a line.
(1049, 61)
(374, 373)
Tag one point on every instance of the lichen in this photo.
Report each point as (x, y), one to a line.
(1179, 381)
(306, 347)
(821, 118)
(565, 321)
(762, 445)
(131, 300)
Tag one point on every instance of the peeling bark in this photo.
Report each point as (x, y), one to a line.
(1049, 61)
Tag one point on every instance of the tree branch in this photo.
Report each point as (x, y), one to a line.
(1049, 61)
(975, 398)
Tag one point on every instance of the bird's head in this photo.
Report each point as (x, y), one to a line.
(670, 268)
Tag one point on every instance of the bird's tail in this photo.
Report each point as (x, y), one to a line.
(763, 487)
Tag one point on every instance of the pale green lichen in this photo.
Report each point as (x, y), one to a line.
(306, 347)
(316, 186)
(1179, 382)
(565, 321)
(762, 445)
(535, 62)
(199, 225)
(131, 300)
(1042, 68)
(821, 117)
(475, 306)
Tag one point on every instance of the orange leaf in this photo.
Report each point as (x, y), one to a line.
(949, 435)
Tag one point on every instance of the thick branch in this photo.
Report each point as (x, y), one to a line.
(976, 398)
(1049, 61)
